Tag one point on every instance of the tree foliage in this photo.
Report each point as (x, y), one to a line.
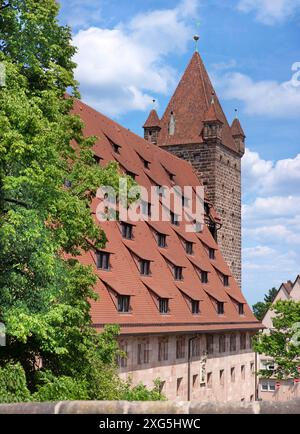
(260, 309)
(282, 344)
(45, 291)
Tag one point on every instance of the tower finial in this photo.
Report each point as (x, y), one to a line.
(212, 101)
(236, 113)
(196, 39)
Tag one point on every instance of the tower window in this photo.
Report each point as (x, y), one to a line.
(126, 231)
(123, 303)
(161, 240)
(102, 260)
(204, 276)
(164, 305)
(189, 247)
(211, 254)
(220, 308)
(195, 307)
(144, 267)
(178, 275)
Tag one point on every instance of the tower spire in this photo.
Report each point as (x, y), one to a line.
(196, 39)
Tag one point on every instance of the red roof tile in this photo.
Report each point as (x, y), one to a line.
(124, 276)
(190, 104)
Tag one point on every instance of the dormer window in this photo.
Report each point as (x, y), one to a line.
(116, 148)
(163, 305)
(161, 240)
(96, 158)
(174, 218)
(102, 260)
(131, 174)
(189, 247)
(241, 308)
(220, 307)
(211, 253)
(126, 230)
(123, 303)
(145, 267)
(226, 280)
(204, 276)
(172, 124)
(195, 307)
(178, 274)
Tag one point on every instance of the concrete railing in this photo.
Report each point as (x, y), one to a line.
(155, 407)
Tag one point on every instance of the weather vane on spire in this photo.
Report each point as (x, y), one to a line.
(196, 36)
(236, 113)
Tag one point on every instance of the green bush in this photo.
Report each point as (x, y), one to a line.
(13, 384)
(61, 389)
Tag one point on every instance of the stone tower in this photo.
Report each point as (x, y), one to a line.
(194, 127)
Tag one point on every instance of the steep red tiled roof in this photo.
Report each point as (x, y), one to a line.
(153, 120)
(124, 276)
(236, 128)
(190, 104)
(288, 286)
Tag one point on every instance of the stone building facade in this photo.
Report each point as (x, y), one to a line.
(221, 367)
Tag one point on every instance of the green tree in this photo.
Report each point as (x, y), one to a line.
(261, 308)
(282, 344)
(45, 291)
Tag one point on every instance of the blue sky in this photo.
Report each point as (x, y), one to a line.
(133, 51)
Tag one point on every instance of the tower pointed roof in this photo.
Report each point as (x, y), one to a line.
(212, 114)
(190, 104)
(236, 128)
(152, 120)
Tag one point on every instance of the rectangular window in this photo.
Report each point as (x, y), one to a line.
(222, 344)
(122, 359)
(209, 380)
(163, 305)
(196, 347)
(226, 280)
(126, 231)
(189, 248)
(161, 240)
(174, 219)
(195, 307)
(243, 372)
(241, 308)
(178, 273)
(204, 276)
(251, 398)
(268, 386)
(146, 208)
(162, 349)
(220, 307)
(209, 344)
(211, 253)
(143, 354)
(243, 340)
(102, 260)
(232, 343)
(222, 377)
(232, 374)
(145, 267)
(195, 381)
(123, 303)
(179, 386)
(180, 348)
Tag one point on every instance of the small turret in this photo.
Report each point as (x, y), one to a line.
(212, 123)
(152, 127)
(238, 135)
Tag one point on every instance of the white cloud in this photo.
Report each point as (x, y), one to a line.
(266, 97)
(270, 11)
(258, 251)
(121, 68)
(80, 14)
(271, 178)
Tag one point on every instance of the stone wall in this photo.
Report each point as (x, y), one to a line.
(124, 407)
(220, 171)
